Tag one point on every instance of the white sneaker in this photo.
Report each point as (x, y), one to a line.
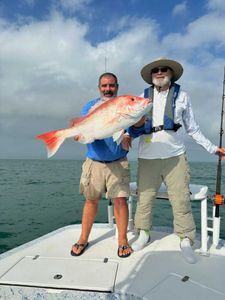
(141, 242)
(187, 251)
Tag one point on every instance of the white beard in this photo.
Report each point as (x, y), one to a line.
(161, 82)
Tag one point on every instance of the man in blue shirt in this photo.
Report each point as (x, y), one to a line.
(105, 170)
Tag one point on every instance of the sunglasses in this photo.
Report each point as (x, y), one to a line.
(162, 69)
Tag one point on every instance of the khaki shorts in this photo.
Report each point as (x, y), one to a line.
(111, 179)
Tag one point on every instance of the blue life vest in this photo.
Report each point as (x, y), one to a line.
(169, 110)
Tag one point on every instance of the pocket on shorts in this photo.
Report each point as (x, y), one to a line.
(125, 178)
(85, 180)
(86, 174)
(124, 163)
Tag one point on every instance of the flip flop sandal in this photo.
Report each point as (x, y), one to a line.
(124, 248)
(77, 245)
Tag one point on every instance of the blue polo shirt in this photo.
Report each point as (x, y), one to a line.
(105, 149)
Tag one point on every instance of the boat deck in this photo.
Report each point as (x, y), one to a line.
(45, 267)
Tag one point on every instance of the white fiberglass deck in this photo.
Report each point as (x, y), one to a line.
(45, 267)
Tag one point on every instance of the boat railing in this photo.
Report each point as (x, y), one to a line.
(198, 193)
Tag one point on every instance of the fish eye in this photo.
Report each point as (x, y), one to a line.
(132, 99)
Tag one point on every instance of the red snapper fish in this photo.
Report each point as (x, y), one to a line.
(105, 119)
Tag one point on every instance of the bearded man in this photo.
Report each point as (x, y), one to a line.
(162, 154)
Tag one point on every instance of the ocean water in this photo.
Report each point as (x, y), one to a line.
(39, 196)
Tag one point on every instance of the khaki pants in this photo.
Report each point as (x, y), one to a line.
(174, 172)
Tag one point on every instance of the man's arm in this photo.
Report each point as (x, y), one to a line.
(193, 129)
(138, 128)
(132, 132)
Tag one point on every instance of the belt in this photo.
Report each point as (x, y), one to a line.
(157, 128)
(107, 161)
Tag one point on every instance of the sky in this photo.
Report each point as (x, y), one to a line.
(53, 51)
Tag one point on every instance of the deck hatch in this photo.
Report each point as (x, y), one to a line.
(67, 273)
(185, 290)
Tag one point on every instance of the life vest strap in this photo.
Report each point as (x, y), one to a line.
(161, 127)
(168, 118)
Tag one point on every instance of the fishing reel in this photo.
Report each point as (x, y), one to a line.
(218, 199)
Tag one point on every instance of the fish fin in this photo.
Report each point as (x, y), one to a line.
(53, 140)
(117, 136)
(126, 116)
(84, 139)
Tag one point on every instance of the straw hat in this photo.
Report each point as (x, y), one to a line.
(162, 62)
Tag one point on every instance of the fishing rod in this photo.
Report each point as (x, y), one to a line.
(218, 198)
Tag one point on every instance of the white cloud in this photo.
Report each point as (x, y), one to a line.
(41, 63)
(218, 5)
(50, 65)
(207, 31)
(127, 22)
(49, 69)
(180, 9)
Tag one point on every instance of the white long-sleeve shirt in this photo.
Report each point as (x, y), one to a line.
(168, 143)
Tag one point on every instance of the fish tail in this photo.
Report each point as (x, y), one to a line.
(53, 140)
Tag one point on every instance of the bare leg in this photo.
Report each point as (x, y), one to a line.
(121, 215)
(88, 217)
